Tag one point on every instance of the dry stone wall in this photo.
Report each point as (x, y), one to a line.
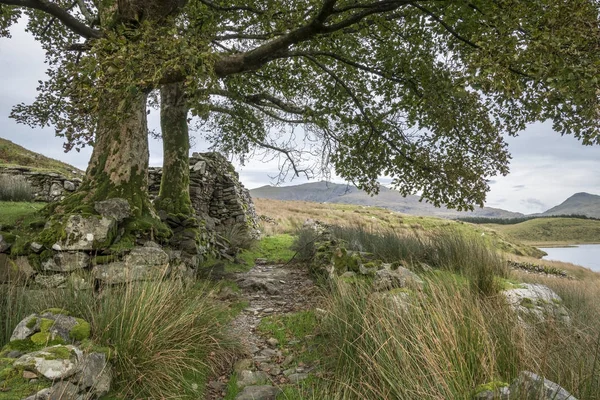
(217, 194)
(45, 186)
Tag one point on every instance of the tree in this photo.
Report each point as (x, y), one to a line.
(422, 91)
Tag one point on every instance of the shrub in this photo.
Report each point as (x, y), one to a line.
(304, 243)
(15, 188)
(237, 238)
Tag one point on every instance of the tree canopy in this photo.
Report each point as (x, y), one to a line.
(421, 91)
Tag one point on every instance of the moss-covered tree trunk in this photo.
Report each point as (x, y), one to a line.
(174, 195)
(119, 163)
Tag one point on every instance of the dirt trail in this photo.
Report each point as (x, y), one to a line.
(271, 289)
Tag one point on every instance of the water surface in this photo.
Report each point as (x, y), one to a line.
(586, 255)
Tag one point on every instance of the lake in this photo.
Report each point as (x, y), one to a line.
(586, 255)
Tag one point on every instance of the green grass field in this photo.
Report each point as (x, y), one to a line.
(548, 231)
(11, 212)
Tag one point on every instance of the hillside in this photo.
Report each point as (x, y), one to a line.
(287, 216)
(552, 231)
(12, 155)
(578, 204)
(324, 192)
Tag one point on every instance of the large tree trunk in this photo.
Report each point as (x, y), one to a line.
(119, 163)
(174, 196)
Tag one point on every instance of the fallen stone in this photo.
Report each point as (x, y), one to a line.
(241, 365)
(95, 374)
(387, 279)
(16, 271)
(29, 375)
(248, 378)
(272, 342)
(530, 386)
(115, 208)
(51, 325)
(536, 301)
(64, 391)
(263, 392)
(502, 393)
(43, 394)
(70, 186)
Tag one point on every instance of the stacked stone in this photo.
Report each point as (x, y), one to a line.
(217, 195)
(45, 186)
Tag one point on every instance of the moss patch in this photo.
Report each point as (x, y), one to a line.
(80, 331)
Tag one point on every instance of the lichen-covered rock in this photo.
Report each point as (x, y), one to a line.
(86, 233)
(536, 301)
(387, 279)
(248, 378)
(142, 263)
(54, 363)
(495, 390)
(530, 386)
(66, 261)
(115, 208)
(51, 327)
(396, 299)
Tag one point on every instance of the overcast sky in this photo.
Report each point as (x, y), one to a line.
(545, 170)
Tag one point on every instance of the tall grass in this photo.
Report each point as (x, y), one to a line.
(166, 337)
(461, 253)
(15, 188)
(444, 345)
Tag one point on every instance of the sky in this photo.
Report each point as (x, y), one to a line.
(545, 169)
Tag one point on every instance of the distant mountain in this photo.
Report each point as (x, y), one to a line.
(325, 192)
(580, 204)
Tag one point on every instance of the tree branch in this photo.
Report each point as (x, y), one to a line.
(59, 13)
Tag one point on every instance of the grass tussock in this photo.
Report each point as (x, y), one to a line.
(15, 188)
(464, 254)
(167, 338)
(445, 343)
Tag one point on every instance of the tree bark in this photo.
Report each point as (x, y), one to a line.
(174, 195)
(119, 163)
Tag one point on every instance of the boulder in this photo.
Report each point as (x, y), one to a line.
(142, 263)
(387, 279)
(95, 375)
(530, 386)
(86, 233)
(263, 392)
(54, 363)
(115, 208)
(66, 262)
(535, 301)
(50, 326)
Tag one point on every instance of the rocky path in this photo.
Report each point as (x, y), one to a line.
(270, 290)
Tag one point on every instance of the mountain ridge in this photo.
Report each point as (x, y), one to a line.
(327, 192)
(581, 203)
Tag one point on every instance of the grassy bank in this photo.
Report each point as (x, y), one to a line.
(552, 231)
(11, 212)
(287, 216)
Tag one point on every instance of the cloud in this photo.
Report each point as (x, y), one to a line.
(535, 203)
(519, 187)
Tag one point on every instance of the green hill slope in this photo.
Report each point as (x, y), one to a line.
(12, 155)
(578, 204)
(553, 230)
